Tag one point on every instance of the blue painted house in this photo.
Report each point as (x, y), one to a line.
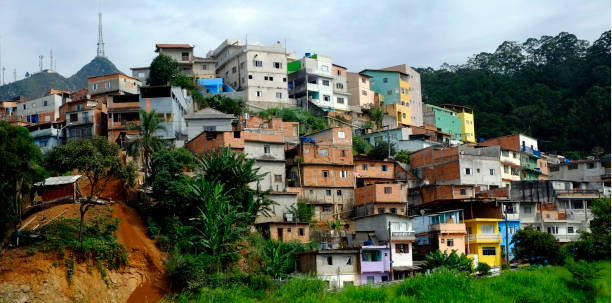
(513, 227)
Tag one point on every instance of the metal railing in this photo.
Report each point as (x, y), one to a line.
(484, 237)
(402, 235)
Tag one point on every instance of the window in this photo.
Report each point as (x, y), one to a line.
(329, 260)
(572, 166)
(404, 115)
(325, 82)
(323, 152)
(339, 85)
(257, 63)
(388, 190)
(324, 68)
(342, 153)
(250, 76)
(279, 95)
(326, 98)
(47, 118)
(478, 170)
(95, 87)
(278, 65)
(266, 78)
(349, 260)
(343, 174)
(469, 230)
(233, 70)
(385, 80)
(371, 255)
(326, 174)
(258, 93)
(327, 208)
(590, 165)
(577, 205)
(463, 191)
(489, 251)
(341, 135)
(339, 192)
(24, 106)
(364, 92)
(364, 166)
(468, 171)
(370, 280)
(363, 80)
(284, 79)
(570, 229)
(237, 134)
(271, 78)
(389, 92)
(505, 153)
(450, 242)
(402, 248)
(301, 232)
(266, 149)
(487, 229)
(340, 100)
(328, 192)
(492, 172)
(511, 230)
(74, 117)
(383, 167)
(506, 169)
(278, 178)
(552, 230)
(288, 229)
(45, 103)
(107, 84)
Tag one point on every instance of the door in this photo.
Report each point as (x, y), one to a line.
(279, 234)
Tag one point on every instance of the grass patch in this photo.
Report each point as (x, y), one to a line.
(532, 284)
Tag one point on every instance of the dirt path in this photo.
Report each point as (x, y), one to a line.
(132, 234)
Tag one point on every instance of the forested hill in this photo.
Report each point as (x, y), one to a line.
(556, 89)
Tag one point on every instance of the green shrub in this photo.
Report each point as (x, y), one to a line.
(260, 282)
(31, 251)
(451, 261)
(483, 269)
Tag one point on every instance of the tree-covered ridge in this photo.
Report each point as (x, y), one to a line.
(556, 89)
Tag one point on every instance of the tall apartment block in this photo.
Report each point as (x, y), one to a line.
(257, 72)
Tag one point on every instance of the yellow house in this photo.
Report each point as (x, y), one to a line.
(401, 112)
(483, 239)
(466, 114)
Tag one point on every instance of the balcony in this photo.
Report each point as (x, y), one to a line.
(402, 235)
(567, 238)
(511, 216)
(47, 132)
(484, 237)
(531, 151)
(448, 228)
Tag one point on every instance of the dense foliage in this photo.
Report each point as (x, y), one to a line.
(382, 150)
(223, 104)
(147, 143)
(163, 69)
(309, 123)
(361, 146)
(21, 167)
(303, 212)
(536, 247)
(548, 284)
(444, 261)
(547, 88)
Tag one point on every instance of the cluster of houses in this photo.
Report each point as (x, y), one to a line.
(374, 219)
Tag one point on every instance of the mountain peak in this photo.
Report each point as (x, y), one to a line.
(99, 66)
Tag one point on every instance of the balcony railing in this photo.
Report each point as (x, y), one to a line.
(448, 228)
(484, 237)
(402, 235)
(567, 238)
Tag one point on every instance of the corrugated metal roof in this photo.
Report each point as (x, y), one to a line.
(58, 180)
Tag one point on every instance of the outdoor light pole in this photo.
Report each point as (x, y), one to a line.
(61, 129)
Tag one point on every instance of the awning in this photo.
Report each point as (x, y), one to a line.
(58, 180)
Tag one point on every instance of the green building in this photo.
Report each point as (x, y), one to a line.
(444, 119)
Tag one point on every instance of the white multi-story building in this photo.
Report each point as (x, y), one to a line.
(257, 72)
(324, 82)
(44, 109)
(171, 104)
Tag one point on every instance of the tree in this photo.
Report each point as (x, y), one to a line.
(224, 104)
(536, 247)
(279, 257)
(360, 145)
(403, 156)
(167, 166)
(95, 158)
(147, 142)
(303, 212)
(21, 167)
(377, 116)
(236, 173)
(451, 261)
(163, 69)
(381, 150)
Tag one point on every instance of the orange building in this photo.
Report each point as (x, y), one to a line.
(380, 199)
(323, 166)
(285, 231)
(123, 118)
(101, 88)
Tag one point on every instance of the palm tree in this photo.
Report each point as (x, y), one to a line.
(147, 143)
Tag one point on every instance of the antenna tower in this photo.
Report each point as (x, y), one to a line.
(100, 39)
(51, 60)
(14, 75)
(40, 59)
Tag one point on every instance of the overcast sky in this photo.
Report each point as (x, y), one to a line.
(356, 34)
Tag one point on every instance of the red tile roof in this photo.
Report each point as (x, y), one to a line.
(166, 45)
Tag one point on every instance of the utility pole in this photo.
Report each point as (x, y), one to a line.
(507, 239)
(390, 254)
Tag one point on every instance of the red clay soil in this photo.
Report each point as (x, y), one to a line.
(131, 233)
